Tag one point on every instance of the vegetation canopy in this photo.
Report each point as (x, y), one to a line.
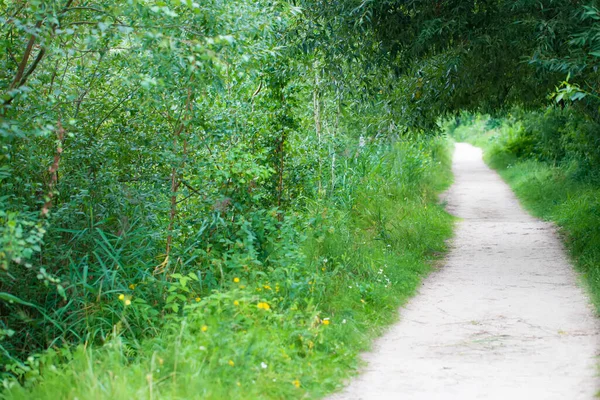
(477, 55)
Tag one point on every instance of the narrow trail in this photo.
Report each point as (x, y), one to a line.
(504, 318)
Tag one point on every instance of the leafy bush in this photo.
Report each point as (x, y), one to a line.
(294, 323)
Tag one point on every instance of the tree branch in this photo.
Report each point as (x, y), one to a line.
(21, 69)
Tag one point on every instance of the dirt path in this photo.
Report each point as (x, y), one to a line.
(503, 319)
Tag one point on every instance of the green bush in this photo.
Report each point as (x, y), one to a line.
(290, 327)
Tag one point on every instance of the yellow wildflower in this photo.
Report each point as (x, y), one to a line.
(127, 302)
(296, 383)
(263, 306)
(198, 299)
(267, 287)
(121, 297)
(132, 286)
(236, 280)
(204, 328)
(231, 363)
(326, 321)
(236, 303)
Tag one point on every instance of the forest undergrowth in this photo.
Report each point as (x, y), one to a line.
(289, 331)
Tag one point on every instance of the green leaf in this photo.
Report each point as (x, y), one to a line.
(13, 299)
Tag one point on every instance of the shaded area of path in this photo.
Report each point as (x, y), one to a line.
(504, 318)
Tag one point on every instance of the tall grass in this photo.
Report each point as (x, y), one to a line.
(290, 333)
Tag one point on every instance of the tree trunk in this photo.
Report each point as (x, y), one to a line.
(175, 182)
(317, 115)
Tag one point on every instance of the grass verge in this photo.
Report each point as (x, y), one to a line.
(288, 333)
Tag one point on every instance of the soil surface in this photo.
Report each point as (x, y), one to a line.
(504, 318)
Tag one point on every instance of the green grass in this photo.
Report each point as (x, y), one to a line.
(365, 253)
(553, 192)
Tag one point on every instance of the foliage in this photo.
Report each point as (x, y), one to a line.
(484, 56)
(151, 155)
(292, 330)
(161, 160)
(558, 136)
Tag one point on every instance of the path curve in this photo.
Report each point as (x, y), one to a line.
(504, 318)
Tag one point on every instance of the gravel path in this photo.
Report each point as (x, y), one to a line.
(503, 319)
